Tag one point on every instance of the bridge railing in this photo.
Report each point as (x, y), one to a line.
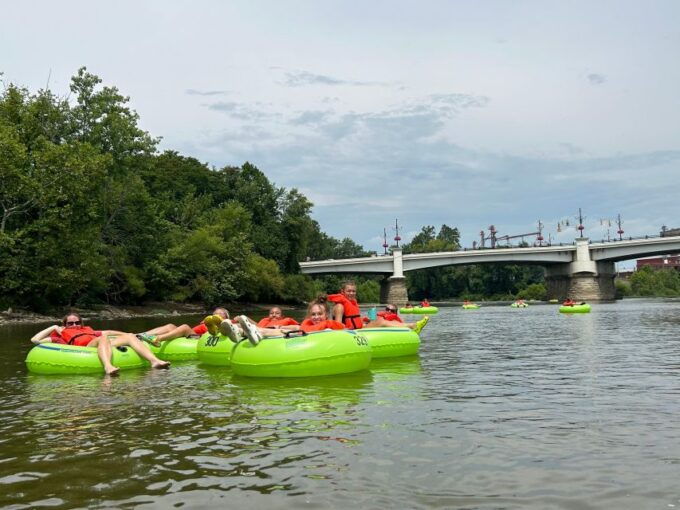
(629, 238)
(513, 246)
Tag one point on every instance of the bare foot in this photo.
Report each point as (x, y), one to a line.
(161, 364)
(111, 370)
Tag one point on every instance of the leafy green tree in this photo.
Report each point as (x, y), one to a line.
(298, 227)
(623, 288)
(534, 291)
(91, 212)
(648, 281)
(368, 291)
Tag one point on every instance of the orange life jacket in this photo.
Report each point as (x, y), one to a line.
(389, 316)
(308, 326)
(82, 335)
(268, 322)
(351, 315)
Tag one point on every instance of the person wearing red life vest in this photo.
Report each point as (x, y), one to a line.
(244, 327)
(346, 311)
(73, 332)
(390, 313)
(276, 319)
(425, 303)
(317, 318)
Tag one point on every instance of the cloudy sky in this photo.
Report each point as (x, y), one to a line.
(467, 113)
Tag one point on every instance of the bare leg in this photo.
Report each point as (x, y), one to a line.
(104, 352)
(160, 330)
(180, 331)
(273, 331)
(139, 348)
(382, 323)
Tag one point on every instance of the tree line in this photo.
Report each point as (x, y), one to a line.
(651, 282)
(92, 212)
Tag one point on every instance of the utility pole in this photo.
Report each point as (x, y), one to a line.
(539, 237)
(580, 227)
(619, 223)
(397, 238)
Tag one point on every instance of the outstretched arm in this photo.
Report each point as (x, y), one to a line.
(44, 336)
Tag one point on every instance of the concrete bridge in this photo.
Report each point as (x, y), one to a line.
(582, 271)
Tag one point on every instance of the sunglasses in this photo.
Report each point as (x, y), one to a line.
(393, 310)
(74, 323)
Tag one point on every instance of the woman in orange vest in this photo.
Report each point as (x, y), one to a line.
(346, 311)
(276, 319)
(317, 318)
(424, 303)
(73, 332)
(390, 313)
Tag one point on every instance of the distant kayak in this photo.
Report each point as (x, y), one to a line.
(581, 308)
(429, 310)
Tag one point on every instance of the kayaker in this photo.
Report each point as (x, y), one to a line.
(73, 332)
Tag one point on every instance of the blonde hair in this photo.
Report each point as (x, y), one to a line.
(319, 301)
(219, 309)
(346, 283)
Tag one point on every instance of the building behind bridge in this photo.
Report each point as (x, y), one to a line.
(666, 262)
(668, 232)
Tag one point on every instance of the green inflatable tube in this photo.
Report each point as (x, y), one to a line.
(428, 310)
(215, 350)
(391, 342)
(321, 353)
(519, 305)
(584, 308)
(470, 307)
(178, 349)
(50, 358)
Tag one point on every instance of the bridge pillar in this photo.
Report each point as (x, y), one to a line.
(393, 290)
(583, 279)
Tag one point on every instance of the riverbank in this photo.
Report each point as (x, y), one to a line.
(107, 312)
(13, 316)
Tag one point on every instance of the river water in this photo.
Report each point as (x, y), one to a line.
(503, 408)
